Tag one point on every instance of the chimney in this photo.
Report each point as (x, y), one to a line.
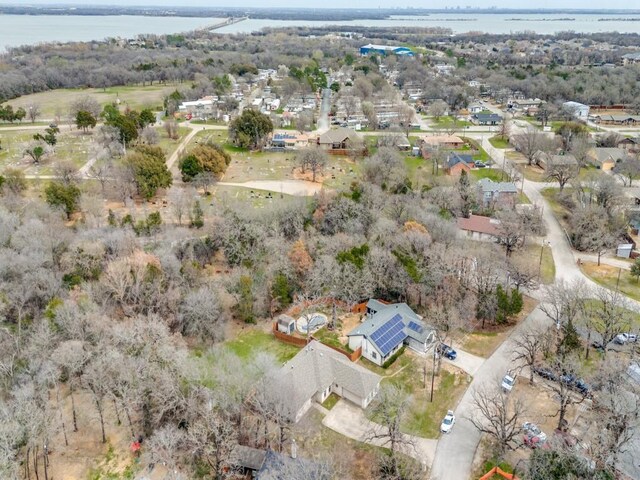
(294, 449)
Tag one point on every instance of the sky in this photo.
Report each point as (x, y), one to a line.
(582, 4)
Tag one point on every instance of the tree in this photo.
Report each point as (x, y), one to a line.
(149, 169)
(530, 142)
(390, 408)
(33, 111)
(590, 230)
(36, 152)
(610, 314)
(314, 159)
(304, 121)
(65, 196)
(437, 109)
(171, 127)
(528, 346)
(562, 172)
(499, 415)
(569, 131)
(467, 195)
(581, 150)
(635, 269)
(250, 129)
(197, 215)
(14, 180)
(49, 137)
(564, 304)
(627, 169)
(565, 369)
(208, 157)
(85, 120)
(85, 104)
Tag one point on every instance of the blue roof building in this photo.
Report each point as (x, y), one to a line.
(385, 50)
(386, 328)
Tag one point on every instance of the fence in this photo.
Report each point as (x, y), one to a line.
(302, 342)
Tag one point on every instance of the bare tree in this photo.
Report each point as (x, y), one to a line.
(33, 111)
(628, 169)
(529, 142)
(171, 127)
(179, 201)
(566, 372)
(563, 173)
(527, 349)
(437, 109)
(498, 415)
(390, 408)
(304, 121)
(610, 314)
(314, 159)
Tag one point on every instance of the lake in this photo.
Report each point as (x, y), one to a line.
(18, 30)
(32, 29)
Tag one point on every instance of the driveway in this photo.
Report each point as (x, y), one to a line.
(465, 361)
(455, 451)
(349, 420)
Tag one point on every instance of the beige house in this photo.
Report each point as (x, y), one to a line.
(605, 158)
(544, 160)
(442, 141)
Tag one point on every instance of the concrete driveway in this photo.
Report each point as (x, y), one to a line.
(349, 420)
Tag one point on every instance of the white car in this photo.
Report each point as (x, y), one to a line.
(531, 431)
(448, 422)
(508, 382)
(624, 338)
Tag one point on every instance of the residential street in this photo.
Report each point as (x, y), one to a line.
(456, 450)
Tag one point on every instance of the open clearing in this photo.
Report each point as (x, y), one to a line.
(55, 103)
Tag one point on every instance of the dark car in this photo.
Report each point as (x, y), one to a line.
(545, 373)
(479, 164)
(581, 386)
(446, 351)
(568, 378)
(598, 346)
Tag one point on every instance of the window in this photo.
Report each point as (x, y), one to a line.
(374, 355)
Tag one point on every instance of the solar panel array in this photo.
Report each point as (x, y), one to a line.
(389, 334)
(415, 327)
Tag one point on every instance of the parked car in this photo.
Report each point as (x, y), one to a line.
(479, 164)
(507, 383)
(533, 436)
(568, 378)
(446, 351)
(581, 386)
(448, 422)
(598, 346)
(625, 338)
(545, 373)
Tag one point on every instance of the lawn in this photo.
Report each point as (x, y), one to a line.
(331, 401)
(522, 198)
(482, 344)
(168, 145)
(329, 338)
(495, 174)
(425, 417)
(228, 194)
(534, 173)
(251, 341)
(560, 212)
(72, 146)
(246, 166)
(56, 102)
(447, 122)
(607, 276)
(531, 254)
(499, 142)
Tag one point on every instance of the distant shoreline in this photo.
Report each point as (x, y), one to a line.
(303, 14)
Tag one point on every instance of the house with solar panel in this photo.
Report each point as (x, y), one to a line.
(386, 328)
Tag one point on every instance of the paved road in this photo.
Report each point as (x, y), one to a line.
(455, 451)
(300, 188)
(350, 421)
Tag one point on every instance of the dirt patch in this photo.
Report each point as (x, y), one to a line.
(483, 342)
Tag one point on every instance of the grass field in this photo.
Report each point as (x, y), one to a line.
(252, 340)
(169, 145)
(56, 102)
(494, 174)
(499, 142)
(72, 146)
(607, 276)
(531, 253)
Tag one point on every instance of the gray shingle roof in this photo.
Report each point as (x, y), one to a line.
(315, 368)
(488, 185)
(338, 135)
(384, 315)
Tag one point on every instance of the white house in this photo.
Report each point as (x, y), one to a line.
(386, 328)
(578, 110)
